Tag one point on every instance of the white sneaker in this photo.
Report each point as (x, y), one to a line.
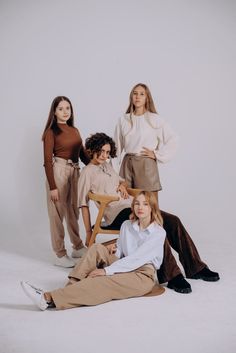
(35, 294)
(79, 253)
(64, 261)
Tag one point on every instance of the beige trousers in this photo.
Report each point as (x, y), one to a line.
(66, 178)
(83, 290)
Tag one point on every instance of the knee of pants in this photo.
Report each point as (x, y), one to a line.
(96, 247)
(171, 219)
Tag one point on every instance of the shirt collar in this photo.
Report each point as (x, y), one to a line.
(149, 229)
(103, 167)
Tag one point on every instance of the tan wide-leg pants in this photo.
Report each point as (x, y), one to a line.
(66, 178)
(83, 290)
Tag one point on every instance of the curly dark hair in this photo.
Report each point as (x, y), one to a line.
(95, 142)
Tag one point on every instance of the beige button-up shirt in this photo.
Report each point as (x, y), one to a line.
(101, 179)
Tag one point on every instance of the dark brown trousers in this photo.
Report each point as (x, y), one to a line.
(179, 239)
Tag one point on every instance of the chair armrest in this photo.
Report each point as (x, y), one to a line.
(133, 192)
(102, 198)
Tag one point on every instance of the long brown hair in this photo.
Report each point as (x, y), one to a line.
(152, 201)
(52, 121)
(149, 104)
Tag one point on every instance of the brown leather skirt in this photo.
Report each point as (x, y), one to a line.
(140, 172)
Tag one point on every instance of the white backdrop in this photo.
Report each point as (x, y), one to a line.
(94, 52)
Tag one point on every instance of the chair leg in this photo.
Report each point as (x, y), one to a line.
(93, 237)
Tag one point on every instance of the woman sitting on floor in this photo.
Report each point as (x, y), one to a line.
(107, 273)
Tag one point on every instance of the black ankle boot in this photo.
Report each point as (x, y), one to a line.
(179, 284)
(206, 275)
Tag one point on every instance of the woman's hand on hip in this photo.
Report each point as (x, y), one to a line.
(54, 195)
(148, 153)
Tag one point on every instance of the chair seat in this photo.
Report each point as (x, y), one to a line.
(104, 238)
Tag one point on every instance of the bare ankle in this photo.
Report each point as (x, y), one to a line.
(48, 297)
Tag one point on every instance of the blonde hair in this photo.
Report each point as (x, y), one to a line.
(149, 104)
(152, 201)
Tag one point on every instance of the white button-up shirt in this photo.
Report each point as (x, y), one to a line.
(137, 247)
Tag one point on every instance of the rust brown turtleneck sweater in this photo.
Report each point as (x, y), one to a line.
(66, 145)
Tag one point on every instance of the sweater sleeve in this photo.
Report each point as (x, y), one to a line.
(152, 248)
(84, 186)
(167, 145)
(48, 146)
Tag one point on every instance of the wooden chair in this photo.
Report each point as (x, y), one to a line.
(103, 201)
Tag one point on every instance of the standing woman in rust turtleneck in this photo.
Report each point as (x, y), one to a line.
(62, 149)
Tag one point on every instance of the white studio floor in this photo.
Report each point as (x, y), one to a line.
(202, 322)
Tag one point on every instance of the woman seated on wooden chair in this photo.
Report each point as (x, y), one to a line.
(102, 276)
(99, 177)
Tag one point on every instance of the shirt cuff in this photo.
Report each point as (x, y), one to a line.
(108, 271)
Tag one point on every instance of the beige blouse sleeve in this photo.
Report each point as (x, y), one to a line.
(84, 186)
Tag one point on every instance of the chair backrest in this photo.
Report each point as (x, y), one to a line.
(103, 201)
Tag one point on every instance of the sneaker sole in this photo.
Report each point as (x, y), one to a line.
(41, 307)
